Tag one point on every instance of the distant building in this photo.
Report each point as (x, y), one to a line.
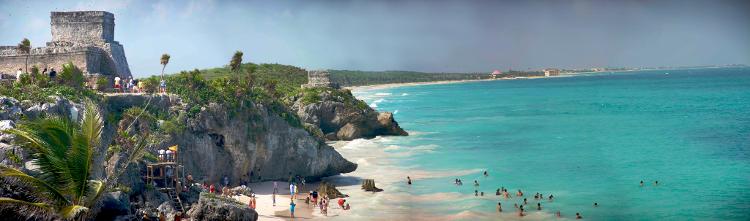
(319, 79)
(598, 69)
(551, 72)
(495, 74)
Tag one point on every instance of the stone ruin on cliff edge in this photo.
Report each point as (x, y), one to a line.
(319, 78)
(85, 38)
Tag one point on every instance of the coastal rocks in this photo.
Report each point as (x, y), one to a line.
(253, 144)
(327, 189)
(369, 185)
(114, 204)
(211, 207)
(340, 116)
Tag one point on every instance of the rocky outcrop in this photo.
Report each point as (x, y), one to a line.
(340, 116)
(211, 207)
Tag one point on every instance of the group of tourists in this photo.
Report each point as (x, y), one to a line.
(504, 193)
(131, 85)
(167, 155)
(52, 74)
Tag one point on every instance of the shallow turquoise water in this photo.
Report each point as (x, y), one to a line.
(586, 139)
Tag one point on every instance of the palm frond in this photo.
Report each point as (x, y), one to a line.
(70, 212)
(44, 189)
(45, 151)
(97, 188)
(29, 209)
(92, 124)
(80, 156)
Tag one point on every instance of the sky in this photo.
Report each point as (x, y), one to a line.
(432, 36)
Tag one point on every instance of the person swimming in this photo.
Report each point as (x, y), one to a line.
(551, 197)
(656, 183)
(497, 192)
(499, 207)
(476, 192)
(538, 206)
(524, 201)
(578, 216)
(519, 193)
(596, 204)
(476, 183)
(641, 182)
(485, 173)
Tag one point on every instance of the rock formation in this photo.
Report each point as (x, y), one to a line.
(211, 207)
(340, 116)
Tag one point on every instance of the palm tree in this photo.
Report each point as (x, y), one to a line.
(236, 63)
(64, 153)
(25, 48)
(164, 61)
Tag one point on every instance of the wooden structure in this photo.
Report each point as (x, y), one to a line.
(167, 176)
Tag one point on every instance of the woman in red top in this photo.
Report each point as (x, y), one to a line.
(212, 189)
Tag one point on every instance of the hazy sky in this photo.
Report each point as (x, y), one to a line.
(441, 36)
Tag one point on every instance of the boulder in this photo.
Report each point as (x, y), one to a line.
(369, 185)
(328, 189)
(211, 207)
(114, 204)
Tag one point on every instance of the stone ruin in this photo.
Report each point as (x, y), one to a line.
(319, 78)
(85, 38)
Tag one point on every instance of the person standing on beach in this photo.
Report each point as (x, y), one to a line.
(273, 198)
(291, 208)
(499, 207)
(291, 190)
(408, 180)
(275, 186)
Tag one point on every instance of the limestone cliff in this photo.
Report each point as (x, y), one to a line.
(340, 116)
(216, 142)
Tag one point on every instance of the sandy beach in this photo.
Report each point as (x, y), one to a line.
(394, 85)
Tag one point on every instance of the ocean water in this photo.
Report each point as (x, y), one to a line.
(584, 139)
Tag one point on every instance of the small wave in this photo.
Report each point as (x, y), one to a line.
(395, 112)
(404, 94)
(382, 94)
(375, 103)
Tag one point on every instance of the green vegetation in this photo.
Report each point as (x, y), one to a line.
(358, 78)
(69, 85)
(314, 95)
(64, 152)
(34, 93)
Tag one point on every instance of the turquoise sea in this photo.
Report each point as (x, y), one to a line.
(584, 139)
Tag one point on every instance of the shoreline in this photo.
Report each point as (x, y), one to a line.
(396, 85)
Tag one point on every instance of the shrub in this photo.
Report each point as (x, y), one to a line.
(71, 76)
(102, 83)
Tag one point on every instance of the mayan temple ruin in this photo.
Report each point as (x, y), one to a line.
(319, 78)
(85, 38)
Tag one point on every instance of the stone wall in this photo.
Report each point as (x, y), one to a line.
(87, 59)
